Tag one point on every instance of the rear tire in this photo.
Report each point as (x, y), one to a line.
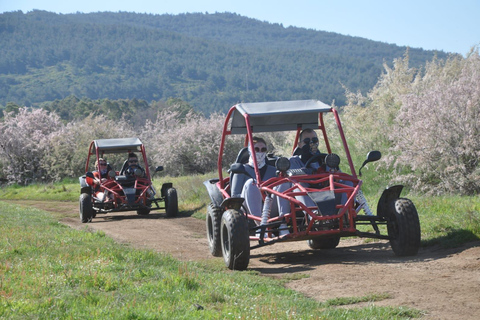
(171, 202)
(324, 243)
(214, 219)
(86, 208)
(404, 227)
(235, 240)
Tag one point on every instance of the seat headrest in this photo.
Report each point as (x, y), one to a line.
(242, 156)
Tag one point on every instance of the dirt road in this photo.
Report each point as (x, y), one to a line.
(443, 283)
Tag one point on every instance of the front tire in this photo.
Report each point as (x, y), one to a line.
(404, 227)
(235, 240)
(86, 208)
(324, 243)
(171, 203)
(214, 219)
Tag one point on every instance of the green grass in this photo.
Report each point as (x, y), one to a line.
(193, 196)
(447, 221)
(48, 270)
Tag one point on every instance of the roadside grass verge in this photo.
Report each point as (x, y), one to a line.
(48, 270)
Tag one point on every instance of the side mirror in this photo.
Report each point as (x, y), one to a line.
(371, 157)
(159, 168)
(374, 156)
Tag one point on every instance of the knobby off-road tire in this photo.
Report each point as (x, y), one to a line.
(171, 203)
(214, 219)
(324, 243)
(404, 228)
(86, 209)
(234, 239)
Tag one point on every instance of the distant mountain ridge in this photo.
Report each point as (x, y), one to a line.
(211, 61)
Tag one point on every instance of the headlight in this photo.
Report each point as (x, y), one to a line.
(282, 164)
(332, 160)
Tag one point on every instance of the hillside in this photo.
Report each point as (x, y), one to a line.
(211, 61)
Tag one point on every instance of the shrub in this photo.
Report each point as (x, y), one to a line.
(187, 145)
(437, 130)
(24, 142)
(426, 122)
(69, 145)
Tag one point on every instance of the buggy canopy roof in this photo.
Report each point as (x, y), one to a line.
(118, 145)
(277, 116)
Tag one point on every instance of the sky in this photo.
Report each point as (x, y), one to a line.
(448, 25)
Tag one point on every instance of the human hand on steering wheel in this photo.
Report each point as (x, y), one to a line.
(135, 170)
(320, 158)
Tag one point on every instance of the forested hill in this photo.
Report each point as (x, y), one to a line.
(210, 61)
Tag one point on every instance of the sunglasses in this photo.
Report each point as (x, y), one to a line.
(132, 161)
(257, 149)
(103, 163)
(308, 140)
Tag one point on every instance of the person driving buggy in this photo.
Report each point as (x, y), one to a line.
(132, 167)
(308, 146)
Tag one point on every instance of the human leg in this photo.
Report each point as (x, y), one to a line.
(253, 198)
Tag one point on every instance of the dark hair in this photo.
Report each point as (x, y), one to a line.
(308, 130)
(132, 155)
(258, 139)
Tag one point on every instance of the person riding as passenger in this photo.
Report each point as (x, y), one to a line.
(245, 186)
(99, 176)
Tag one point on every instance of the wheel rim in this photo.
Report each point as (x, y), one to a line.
(225, 242)
(210, 228)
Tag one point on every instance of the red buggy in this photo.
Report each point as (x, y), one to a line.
(128, 189)
(232, 232)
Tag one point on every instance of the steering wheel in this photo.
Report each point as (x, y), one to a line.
(133, 170)
(318, 157)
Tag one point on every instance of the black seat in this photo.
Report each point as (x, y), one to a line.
(124, 167)
(242, 156)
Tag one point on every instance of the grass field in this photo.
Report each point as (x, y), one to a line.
(48, 270)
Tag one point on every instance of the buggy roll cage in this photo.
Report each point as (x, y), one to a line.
(297, 115)
(101, 147)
